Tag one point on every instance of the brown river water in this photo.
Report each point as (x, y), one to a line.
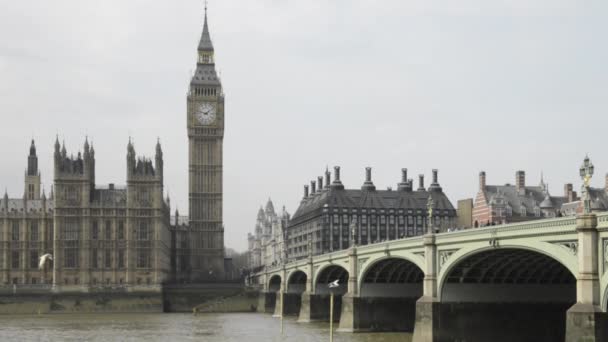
(174, 327)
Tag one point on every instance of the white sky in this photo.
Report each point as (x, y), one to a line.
(461, 86)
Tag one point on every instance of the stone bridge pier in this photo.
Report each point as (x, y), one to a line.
(268, 295)
(315, 301)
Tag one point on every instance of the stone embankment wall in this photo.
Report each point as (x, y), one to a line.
(225, 297)
(80, 303)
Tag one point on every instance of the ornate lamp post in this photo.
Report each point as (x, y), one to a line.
(353, 232)
(586, 172)
(429, 206)
(310, 245)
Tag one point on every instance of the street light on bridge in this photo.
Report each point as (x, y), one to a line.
(586, 172)
(429, 206)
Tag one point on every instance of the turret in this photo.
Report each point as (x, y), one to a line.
(32, 161)
(130, 158)
(32, 175)
(159, 160)
(5, 201)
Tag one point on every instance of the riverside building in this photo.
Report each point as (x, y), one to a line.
(331, 217)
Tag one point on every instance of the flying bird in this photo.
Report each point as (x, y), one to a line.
(334, 283)
(44, 259)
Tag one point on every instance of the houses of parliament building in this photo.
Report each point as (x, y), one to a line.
(122, 236)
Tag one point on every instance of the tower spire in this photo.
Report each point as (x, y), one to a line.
(205, 43)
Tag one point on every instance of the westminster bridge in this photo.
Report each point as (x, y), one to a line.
(546, 280)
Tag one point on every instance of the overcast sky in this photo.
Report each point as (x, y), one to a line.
(461, 86)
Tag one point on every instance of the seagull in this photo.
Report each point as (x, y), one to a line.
(44, 259)
(334, 283)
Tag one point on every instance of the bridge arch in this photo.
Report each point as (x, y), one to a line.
(506, 291)
(296, 281)
(389, 287)
(561, 254)
(329, 273)
(274, 284)
(604, 291)
(389, 269)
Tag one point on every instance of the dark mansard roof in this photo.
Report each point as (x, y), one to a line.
(532, 197)
(364, 199)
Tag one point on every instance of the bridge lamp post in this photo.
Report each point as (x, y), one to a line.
(353, 232)
(586, 172)
(429, 206)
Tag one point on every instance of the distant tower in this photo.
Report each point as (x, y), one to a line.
(32, 175)
(205, 121)
(74, 183)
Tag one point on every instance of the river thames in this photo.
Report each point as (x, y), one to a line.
(174, 327)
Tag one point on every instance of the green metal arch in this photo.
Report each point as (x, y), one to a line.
(604, 291)
(323, 268)
(570, 262)
(271, 276)
(292, 273)
(414, 259)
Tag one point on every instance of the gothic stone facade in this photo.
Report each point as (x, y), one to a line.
(265, 246)
(26, 230)
(98, 237)
(327, 217)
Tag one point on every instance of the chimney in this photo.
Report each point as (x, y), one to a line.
(111, 186)
(568, 192)
(482, 180)
(404, 184)
(327, 178)
(305, 191)
(368, 184)
(520, 182)
(606, 185)
(435, 185)
(337, 184)
(420, 182)
(313, 188)
(320, 183)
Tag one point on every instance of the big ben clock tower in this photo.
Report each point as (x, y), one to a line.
(205, 136)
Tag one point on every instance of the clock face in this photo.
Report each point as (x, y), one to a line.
(205, 113)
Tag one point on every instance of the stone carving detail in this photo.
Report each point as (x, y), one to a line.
(605, 255)
(360, 263)
(419, 254)
(572, 246)
(444, 256)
